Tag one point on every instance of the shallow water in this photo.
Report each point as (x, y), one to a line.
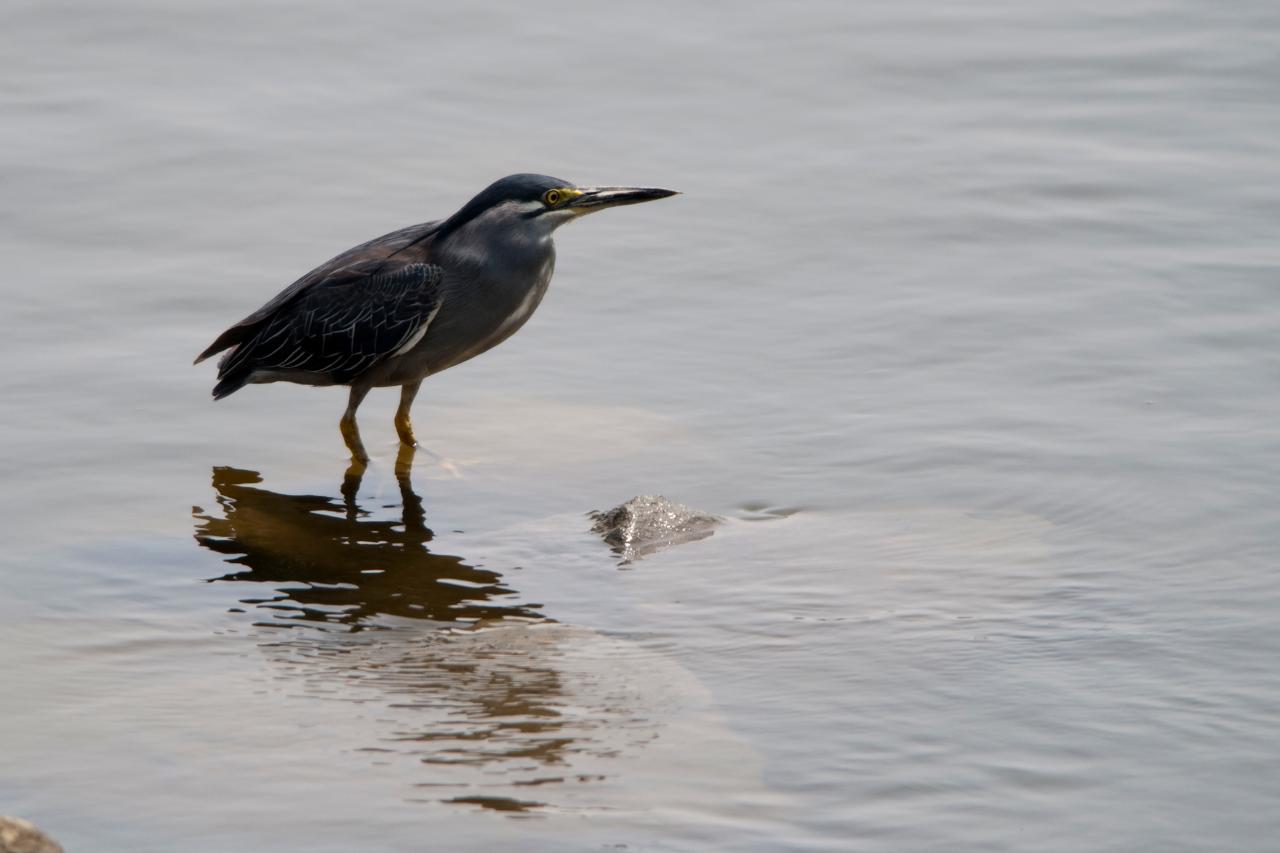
(965, 323)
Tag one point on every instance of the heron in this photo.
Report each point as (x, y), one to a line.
(414, 302)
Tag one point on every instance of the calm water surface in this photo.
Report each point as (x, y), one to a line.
(966, 322)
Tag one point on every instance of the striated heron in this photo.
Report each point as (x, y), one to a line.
(414, 302)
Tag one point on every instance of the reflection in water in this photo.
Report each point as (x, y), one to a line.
(333, 562)
(490, 700)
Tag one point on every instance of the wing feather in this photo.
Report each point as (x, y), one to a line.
(339, 329)
(389, 251)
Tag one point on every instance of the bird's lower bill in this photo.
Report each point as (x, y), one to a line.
(598, 198)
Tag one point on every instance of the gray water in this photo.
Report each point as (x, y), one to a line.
(966, 322)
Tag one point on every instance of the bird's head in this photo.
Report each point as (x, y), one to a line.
(544, 203)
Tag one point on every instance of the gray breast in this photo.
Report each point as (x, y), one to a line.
(487, 298)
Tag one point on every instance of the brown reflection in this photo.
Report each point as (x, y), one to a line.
(488, 701)
(333, 562)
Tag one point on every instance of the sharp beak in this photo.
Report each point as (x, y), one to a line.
(598, 198)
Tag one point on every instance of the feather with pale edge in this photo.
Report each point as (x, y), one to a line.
(338, 328)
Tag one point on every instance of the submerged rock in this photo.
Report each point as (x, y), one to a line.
(19, 836)
(649, 523)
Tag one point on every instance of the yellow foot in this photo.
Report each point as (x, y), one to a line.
(351, 486)
(404, 429)
(404, 459)
(359, 455)
(351, 436)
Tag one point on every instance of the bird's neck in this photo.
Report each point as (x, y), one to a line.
(492, 243)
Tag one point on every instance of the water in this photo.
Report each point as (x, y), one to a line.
(965, 321)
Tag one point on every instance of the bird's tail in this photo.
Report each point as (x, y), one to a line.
(231, 381)
(229, 386)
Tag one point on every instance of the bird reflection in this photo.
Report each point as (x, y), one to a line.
(334, 563)
(490, 702)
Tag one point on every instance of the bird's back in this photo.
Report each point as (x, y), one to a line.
(380, 255)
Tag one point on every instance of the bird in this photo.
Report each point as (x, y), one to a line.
(411, 303)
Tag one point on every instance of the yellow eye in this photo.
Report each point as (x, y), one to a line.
(551, 197)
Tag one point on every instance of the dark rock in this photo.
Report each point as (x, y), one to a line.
(19, 836)
(649, 523)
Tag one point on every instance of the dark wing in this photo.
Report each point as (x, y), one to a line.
(377, 255)
(338, 329)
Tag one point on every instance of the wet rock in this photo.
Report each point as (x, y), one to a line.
(649, 523)
(19, 836)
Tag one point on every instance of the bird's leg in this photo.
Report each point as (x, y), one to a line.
(404, 426)
(351, 432)
(404, 459)
(408, 443)
(412, 513)
(351, 488)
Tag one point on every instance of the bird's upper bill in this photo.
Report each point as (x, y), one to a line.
(590, 199)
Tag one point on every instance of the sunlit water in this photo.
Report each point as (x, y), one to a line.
(965, 323)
